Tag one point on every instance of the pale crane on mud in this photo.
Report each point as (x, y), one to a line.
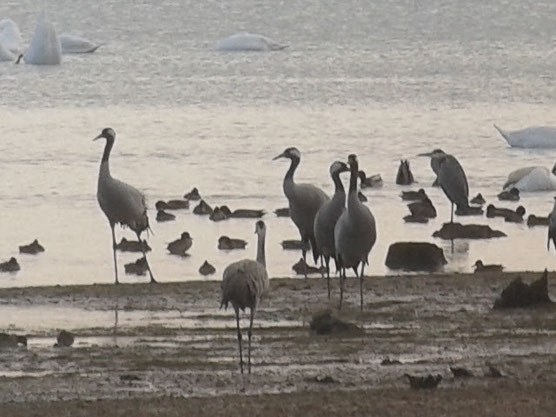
(327, 216)
(244, 283)
(354, 234)
(305, 200)
(120, 202)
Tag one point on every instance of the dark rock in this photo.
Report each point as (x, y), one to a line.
(282, 212)
(459, 372)
(10, 341)
(294, 244)
(390, 362)
(301, 268)
(64, 339)
(325, 323)
(163, 216)
(10, 266)
(415, 256)
(32, 248)
(518, 294)
(132, 245)
(226, 243)
(139, 267)
(533, 220)
(193, 195)
(202, 208)
(468, 231)
(424, 382)
(207, 269)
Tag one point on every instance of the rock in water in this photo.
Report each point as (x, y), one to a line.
(518, 294)
(415, 256)
(468, 231)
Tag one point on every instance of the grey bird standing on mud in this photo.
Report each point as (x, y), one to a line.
(305, 201)
(120, 202)
(244, 283)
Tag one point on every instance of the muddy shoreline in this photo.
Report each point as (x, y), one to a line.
(170, 347)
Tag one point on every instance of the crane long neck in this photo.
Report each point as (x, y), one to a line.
(288, 179)
(260, 249)
(104, 165)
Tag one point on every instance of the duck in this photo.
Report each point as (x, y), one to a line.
(226, 243)
(163, 216)
(404, 175)
(10, 266)
(478, 200)
(410, 218)
(172, 205)
(282, 212)
(293, 244)
(493, 211)
(301, 268)
(247, 213)
(193, 195)
(533, 220)
(423, 208)
(516, 216)
(534, 178)
(374, 181)
(218, 214)
(509, 195)
(362, 197)
(206, 269)
(180, 246)
(530, 137)
(32, 248)
(132, 245)
(411, 195)
(480, 267)
(139, 267)
(202, 208)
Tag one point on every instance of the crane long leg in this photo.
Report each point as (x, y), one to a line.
(304, 252)
(361, 283)
(114, 252)
(342, 279)
(327, 262)
(252, 310)
(452, 214)
(239, 340)
(153, 281)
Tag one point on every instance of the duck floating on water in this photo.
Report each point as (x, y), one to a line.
(193, 195)
(180, 246)
(132, 245)
(404, 175)
(532, 179)
(226, 243)
(418, 195)
(206, 269)
(32, 248)
(478, 200)
(10, 266)
(530, 137)
(374, 181)
(480, 267)
(163, 216)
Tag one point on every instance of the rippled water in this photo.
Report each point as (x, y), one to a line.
(386, 80)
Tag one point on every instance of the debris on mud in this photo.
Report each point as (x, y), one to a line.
(9, 341)
(327, 379)
(493, 372)
(390, 362)
(460, 372)
(424, 382)
(519, 294)
(467, 231)
(326, 323)
(415, 256)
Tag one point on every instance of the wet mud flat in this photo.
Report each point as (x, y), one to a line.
(169, 350)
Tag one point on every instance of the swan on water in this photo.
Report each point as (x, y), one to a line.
(530, 137)
(248, 42)
(45, 47)
(10, 37)
(5, 54)
(73, 44)
(532, 179)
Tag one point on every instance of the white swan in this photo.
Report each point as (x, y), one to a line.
(72, 44)
(10, 37)
(5, 53)
(532, 179)
(248, 42)
(45, 47)
(531, 137)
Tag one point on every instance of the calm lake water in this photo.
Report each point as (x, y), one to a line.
(383, 79)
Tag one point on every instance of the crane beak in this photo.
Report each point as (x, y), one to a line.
(279, 156)
(425, 154)
(98, 137)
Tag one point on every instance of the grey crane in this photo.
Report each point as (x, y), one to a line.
(354, 233)
(451, 178)
(304, 200)
(120, 202)
(244, 283)
(552, 226)
(327, 216)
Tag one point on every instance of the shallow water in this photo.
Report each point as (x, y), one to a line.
(386, 80)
